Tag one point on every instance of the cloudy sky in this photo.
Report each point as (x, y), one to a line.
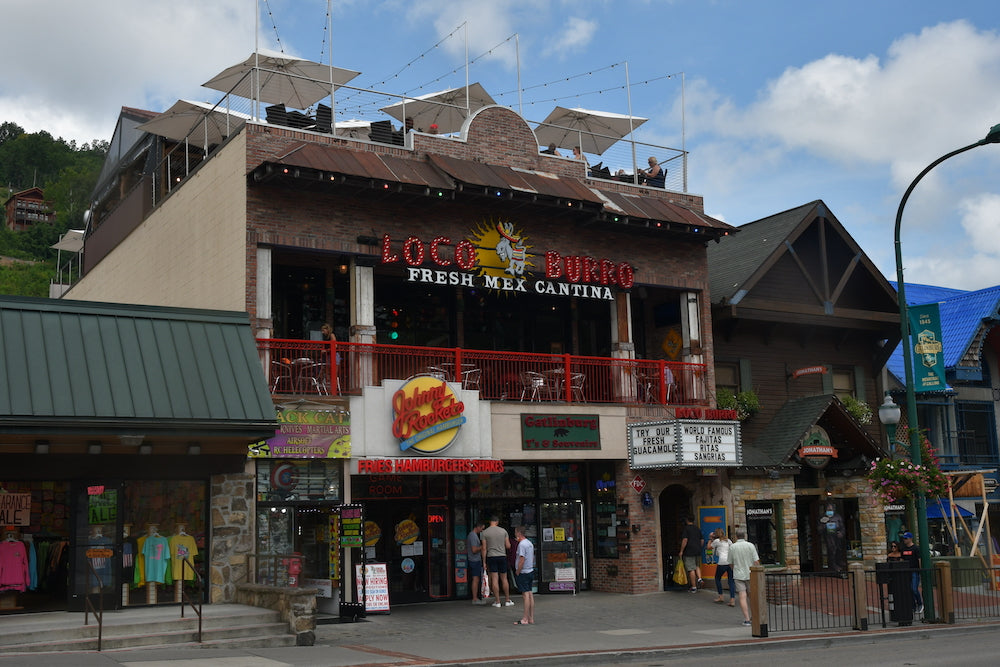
(778, 102)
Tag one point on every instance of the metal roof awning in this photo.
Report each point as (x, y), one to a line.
(316, 163)
(361, 164)
(80, 370)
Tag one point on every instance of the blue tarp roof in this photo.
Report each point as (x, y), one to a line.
(962, 314)
(934, 510)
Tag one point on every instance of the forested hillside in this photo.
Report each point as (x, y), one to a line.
(67, 173)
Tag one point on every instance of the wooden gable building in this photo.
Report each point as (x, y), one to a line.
(804, 320)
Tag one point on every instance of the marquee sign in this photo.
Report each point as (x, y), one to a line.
(498, 257)
(687, 443)
(426, 415)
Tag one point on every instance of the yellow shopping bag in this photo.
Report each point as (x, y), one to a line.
(680, 576)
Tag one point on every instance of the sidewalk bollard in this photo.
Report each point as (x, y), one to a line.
(945, 591)
(757, 600)
(859, 595)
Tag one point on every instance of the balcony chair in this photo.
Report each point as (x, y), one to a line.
(324, 119)
(281, 375)
(534, 384)
(276, 114)
(576, 381)
(381, 132)
(471, 378)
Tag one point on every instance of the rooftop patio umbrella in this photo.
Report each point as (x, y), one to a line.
(283, 79)
(198, 122)
(593, 131)
(445, 108)
(353, 128)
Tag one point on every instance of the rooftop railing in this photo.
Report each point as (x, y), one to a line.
(368, 116)
(300, 367)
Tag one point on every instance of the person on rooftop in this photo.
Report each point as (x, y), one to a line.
(655, 175)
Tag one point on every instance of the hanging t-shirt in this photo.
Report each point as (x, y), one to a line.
(183, 546)
(13, 566)
(156, 555)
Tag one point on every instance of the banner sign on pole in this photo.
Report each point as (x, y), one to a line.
(928, 357)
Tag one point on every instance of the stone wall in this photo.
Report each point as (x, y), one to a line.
(232, 534)
(763, 487)
(296, 605)
(871, 515)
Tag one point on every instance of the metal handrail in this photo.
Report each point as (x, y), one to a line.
(88, 605)
(187, 600)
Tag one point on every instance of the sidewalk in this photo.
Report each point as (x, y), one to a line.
(589, 628)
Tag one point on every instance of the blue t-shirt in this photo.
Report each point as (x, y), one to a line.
(475, 547)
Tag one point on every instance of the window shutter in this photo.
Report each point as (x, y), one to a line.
(828, 380)
(746, 382)
(859, 383)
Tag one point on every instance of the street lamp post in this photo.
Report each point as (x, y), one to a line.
(992, 137)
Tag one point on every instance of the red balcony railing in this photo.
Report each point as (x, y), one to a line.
(297, 367)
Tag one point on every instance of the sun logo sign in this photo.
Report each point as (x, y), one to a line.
(501, 249)
(426, 415)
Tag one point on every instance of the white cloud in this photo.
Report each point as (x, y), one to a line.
(81, 61)
(574, 38)
(981, 221)
(938, 88)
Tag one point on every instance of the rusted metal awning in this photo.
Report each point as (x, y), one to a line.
(449, 174)
(655, 208)
(361, 164)
(540, 183)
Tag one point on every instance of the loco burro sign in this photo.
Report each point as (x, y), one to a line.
(499, 256)
(687, 443)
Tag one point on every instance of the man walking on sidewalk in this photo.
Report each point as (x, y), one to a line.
(691, 543)
(742, 555)
(497, 541)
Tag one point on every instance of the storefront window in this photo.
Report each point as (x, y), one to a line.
(299, 480)
(559, 480)
(764, 530)
(515, 482)
(296, 498)
(603, 493)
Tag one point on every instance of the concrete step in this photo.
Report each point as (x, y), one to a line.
(256, 628)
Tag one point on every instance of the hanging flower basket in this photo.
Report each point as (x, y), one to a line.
(745, 403)
(895, 480)
(861, 411)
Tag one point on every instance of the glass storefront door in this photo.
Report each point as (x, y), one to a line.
(560, 561)
(95, 546)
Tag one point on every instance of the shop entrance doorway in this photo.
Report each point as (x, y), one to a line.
(674, 504)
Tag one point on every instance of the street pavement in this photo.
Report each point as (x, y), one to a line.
(587, 628)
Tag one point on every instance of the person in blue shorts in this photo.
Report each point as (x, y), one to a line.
(524, 575)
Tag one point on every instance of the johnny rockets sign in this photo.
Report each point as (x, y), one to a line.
(426, 415)
(498, 257)
(426, 418)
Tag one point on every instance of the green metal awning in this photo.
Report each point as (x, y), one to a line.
(78, 370)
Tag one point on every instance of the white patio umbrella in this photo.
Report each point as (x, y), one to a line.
(278, 78)
(445, 108)
(593, 131)
(353, 128)
(198, 122)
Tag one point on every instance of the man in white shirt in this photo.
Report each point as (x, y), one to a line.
(743, 555)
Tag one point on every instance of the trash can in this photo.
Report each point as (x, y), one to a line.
(898, 577)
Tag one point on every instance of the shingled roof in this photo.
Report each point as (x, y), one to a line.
(784, 434)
